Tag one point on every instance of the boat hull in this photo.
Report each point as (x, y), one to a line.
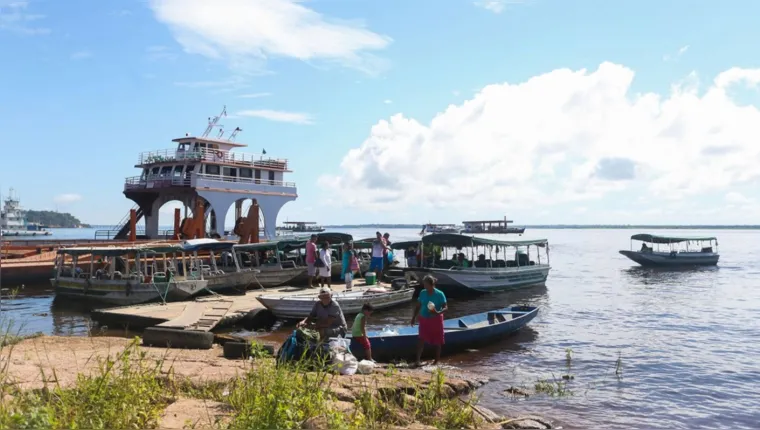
(122, 292)
(460, 333)
(25, 233)
(299, 306)
(666, 259)
(475, 280)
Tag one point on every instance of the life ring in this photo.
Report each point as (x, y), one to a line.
(219, 154)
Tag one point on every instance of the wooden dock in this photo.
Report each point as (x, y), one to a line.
(203, 313)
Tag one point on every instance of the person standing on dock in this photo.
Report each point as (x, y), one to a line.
(379, 249)
(311, 258)
(325, 254)
(430, 306)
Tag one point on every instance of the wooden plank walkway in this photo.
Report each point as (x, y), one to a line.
(203, 313)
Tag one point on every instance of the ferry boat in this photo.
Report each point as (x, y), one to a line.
(466, 265)
(289, 227)
(491, 227)
(13, 220)
(210, 178)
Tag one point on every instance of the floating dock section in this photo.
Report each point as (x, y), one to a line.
(202, 314)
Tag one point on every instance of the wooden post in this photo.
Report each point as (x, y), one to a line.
(255, 230)
(200, 219)
(176, 223)
(132, 225)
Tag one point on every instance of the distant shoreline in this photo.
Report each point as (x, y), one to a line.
(573, 227)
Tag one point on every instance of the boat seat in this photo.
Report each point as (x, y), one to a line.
(510, 312)
(497, 316)
(463, 324)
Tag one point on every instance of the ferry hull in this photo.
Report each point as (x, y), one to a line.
(24, 233)
(667, 259)
(476, 281)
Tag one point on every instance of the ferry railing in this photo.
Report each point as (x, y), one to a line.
(218, 156)
(111, 233)
(220, 178)
(157, 181)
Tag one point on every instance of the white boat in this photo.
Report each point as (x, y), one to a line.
(123, 276)
(491, 266)
(440, 228)
(291, 227)
(13, 220)
(669, 251)
(298, 306)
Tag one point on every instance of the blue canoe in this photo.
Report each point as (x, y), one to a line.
(460, 333)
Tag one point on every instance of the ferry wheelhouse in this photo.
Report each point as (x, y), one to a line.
(440, 228)
(210, 170)
(673, 251)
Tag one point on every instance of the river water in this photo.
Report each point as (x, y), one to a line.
(649, 348)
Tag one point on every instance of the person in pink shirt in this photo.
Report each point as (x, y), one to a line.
(311, 258)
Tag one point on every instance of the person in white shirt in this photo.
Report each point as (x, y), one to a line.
(325, 254)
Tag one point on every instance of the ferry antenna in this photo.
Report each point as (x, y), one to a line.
(213, 121)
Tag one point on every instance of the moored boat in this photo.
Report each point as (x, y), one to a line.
(491, 227)
(13, 221)
(123, 276)
(298, 306)
(460, 333)
(499, 265)
(677, 252)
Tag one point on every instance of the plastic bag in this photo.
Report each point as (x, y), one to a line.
(365, 367)
(345, 363)
(339, 344)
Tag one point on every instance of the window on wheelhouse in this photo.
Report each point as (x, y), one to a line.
(271, 176)
(212, 169)
(246, 173)
(165, 171)
(177, 172)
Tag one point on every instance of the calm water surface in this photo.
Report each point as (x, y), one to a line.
(688, 341)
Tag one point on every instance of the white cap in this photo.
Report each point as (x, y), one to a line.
(325, 290)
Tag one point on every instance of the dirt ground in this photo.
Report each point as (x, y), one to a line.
(37, 362)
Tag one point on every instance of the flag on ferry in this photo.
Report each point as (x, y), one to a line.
(263, 152)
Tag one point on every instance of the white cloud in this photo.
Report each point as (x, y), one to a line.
(81, 55)
(387, 101)
(279, 116)
(254, 95)
(15, 18)
(682, 50)
(497, 6)
(246, 33)
(67, 198)
(734, 197)
(560, 137)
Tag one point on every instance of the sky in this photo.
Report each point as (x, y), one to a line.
(396, 111)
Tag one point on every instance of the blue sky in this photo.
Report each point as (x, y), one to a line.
(347, 89)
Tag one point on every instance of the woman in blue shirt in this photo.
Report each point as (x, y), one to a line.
(431, 304)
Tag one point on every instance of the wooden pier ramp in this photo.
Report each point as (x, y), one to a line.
(202, 314)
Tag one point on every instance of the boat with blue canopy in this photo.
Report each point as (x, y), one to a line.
(673, 251)
(460, 333)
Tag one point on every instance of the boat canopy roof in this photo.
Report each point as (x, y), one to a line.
(291, 244)
(463, 240)
(115, 251)
(651, 238)
(203, 244)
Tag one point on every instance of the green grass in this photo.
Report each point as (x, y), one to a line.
(130, 391)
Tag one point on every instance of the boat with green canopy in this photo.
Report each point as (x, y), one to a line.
(673, 251)
(126, 275)
(469, 264)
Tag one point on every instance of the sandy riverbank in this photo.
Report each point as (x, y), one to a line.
(50, 362)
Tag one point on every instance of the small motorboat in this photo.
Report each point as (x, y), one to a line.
(671, 251)
(460, 333)
(298, 306)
